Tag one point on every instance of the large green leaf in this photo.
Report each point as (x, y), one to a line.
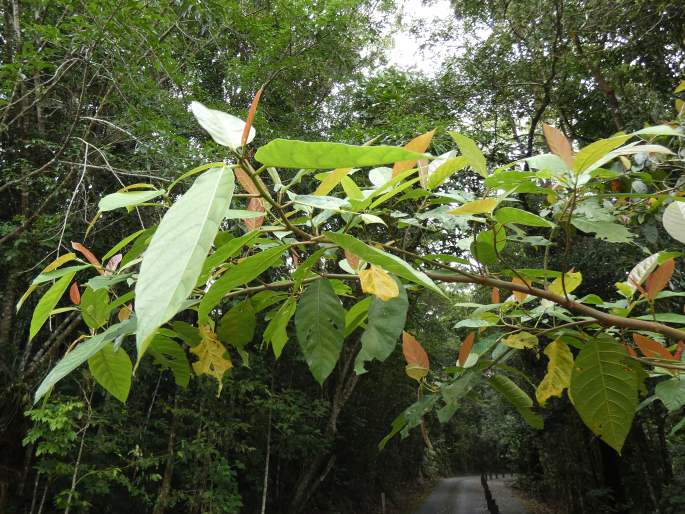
(173, 261)
(607, 230)
(604, 390)
(112, 369)
(245, 271)
(168, 354)
(276, 331)
(225, 252)
(82, 353)
(237, 326)
(127, 199)
(489, 244)
(284, 153)
(320, 327)
(388, 262)
(518, 398)
(518, 216)
(95, 307)
(671, 392)
(588, 156)
(471, 153)
(385, 325)
(47, 303)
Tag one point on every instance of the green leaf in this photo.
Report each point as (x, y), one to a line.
(173, 261)
(168, 354)
(607, 230)
(127, 199)
(81, 353)
(245, 271)
(107, 281)
(592, 153)
(385, 325)
(284, 153)
(113, 251)
(237, 326)
(445, 171)
(47, 303)
(225, 252)
(559, 369)
(671, 392)
(518, 216)
(276, 331)
(388, 262)
(95, 307)
(518, 398)
(320, 328)
(488, 245)
(547, 162)
(665, 317)
(604, 390)
(357, 314)
(471, 153)
(112, 369)
(67, 257)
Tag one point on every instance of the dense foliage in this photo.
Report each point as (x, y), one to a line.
(225, 337)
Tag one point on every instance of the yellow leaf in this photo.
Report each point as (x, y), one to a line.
(571, 281)
(415, 371)
(681, 87)
(521, 340)
(476, 207)
(376, 281)
(47, 269)
(519, 295)
(419, 144)
(559, 370)
(332, 179)
(679, 107)
(213, 359)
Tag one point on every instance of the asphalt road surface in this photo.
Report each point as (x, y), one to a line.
(464, 495)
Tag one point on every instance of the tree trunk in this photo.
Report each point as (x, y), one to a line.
(165, 486)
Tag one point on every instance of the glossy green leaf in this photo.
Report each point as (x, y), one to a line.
(520, 217)
(112, 369)
(386, 320)
(81, 353)
(95, 307)
(284, 153)
(604, 390)
(518, 398)
(471, 153)
(47, 303)
(168, 354)
(245, 271)
(320, 328)
(127, 199)
(173, 261)
(387, 261)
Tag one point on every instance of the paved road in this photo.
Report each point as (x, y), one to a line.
(464, 495)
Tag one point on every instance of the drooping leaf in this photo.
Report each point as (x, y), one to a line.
(419, 145)
(604, 390)
(518, 398)
(245, 271)
(518, 216)
(252, 222)
(95, 307)
(213, 359)
(558, 144)
(90, 257)
(674, 221)
(225, 129)
(173, 261)
(488, 245)
(385, 324)
(284, 153)
(671, 392)
(250, 117)
(568, 283)
(660, 278)
(237, 326)
(276, 331)
(414, 352)
(168, 354)
(484, 205)
(651, 349)
(127, 199)
(376, 281)
(320, 327)
(112, 369)
(471, 153)
(74, 294)
(387, 261)
(559, 369)
(47, 303)
(521, 340)
(465, 348)
(81, 353)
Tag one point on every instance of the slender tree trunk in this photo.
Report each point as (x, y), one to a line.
(165, 486)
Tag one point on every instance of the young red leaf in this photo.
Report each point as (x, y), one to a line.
(250, 116)
(630, 350)
(558, 144)
(255, 205)
(245, 181)
(494, 295)
(651, 349)
(658, 279)
(74, 294)
(413, 352)
(679, 351)
(90, 257)
(465, 348)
